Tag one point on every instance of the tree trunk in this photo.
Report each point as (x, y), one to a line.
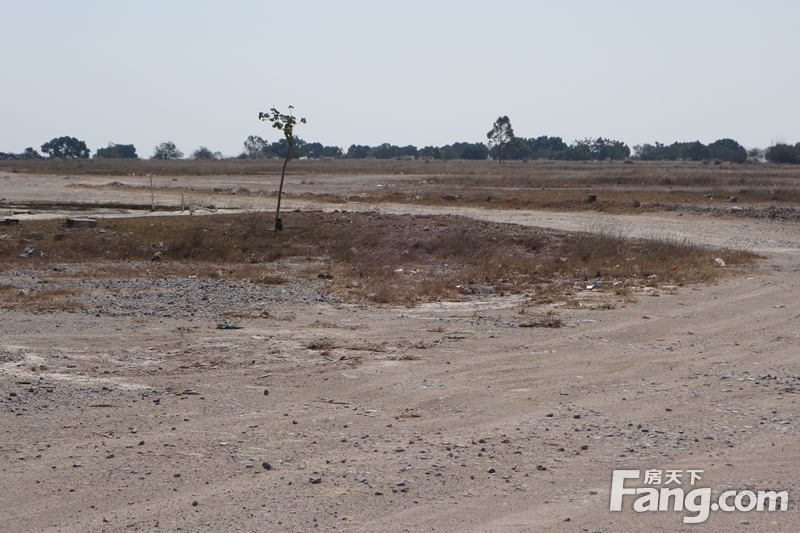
(278, 222)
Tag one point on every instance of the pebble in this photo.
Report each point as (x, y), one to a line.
(266, 466)
(315, 480)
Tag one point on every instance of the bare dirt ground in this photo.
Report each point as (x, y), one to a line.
(440, 417)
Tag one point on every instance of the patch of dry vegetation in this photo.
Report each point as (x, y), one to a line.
(546, 320)
(46, 299)
(379, 258)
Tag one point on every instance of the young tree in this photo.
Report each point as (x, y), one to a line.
(66, 147)
(286, 124)
(167, 150)
(501, 136)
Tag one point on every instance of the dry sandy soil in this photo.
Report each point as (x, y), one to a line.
(441, 417)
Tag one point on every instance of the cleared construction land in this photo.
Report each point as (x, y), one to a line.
(426, 346)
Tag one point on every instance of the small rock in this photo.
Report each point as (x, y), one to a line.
(177, 475)
(266, 392)
(549, 415)
(315, 480)
(576, 416)
(266, 466)
(31, 252)
(194, 503)
(731, 199)
(486, 290)
(141, 443)
(325, 275)
(76, 465)
(592, 198)
(636, 203)
(491, 471)
(585, 447)
(378, 493)
(720, 262)
(156, 257)
(467, 290)
(541, 467)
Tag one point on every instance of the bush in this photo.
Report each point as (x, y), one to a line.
(205, 153)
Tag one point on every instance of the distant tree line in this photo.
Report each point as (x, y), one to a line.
(783, 153)
(722, 150)
(503, 145)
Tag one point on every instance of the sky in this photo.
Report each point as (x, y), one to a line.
(426, 72)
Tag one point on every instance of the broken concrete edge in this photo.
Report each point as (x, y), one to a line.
(81, 223)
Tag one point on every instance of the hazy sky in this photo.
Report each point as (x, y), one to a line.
(404, 72)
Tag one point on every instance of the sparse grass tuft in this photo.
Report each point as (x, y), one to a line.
(48, 299)
(547, 320)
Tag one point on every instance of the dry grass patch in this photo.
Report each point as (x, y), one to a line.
(372, 257)
(42, 300)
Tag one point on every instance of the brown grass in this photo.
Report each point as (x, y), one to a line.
(48, 299)
(380, 258)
